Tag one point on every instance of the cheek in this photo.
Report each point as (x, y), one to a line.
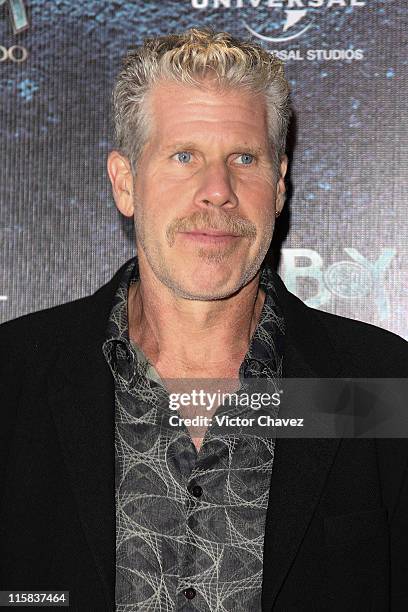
(258, 203)
(157, 214)
(161, 194)
(257, 188)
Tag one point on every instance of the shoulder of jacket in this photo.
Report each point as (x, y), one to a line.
(36, 330)
(380, 351)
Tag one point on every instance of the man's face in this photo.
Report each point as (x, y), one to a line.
(206, 168)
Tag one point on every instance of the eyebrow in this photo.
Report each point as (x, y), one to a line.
(186, 145)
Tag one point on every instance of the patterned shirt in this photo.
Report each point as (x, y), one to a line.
(189, 525)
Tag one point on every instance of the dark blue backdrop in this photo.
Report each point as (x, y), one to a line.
(342, 241)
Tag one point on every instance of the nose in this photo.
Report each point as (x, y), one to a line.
(216, 187)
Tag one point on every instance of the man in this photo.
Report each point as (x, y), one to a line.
(98, 496)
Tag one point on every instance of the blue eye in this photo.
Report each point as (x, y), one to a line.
(182, 156)
(247, 157)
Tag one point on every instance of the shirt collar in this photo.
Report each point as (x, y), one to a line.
(264, 355)
(265, 352)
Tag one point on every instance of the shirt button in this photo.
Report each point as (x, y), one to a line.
(196, 490)
(189, 593)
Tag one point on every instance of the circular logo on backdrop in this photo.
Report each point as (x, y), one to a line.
(348, 279)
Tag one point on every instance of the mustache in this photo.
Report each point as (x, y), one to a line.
(201, 220)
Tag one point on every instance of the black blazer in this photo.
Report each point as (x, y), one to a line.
(337, 521)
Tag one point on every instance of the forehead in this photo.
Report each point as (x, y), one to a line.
(179, 109)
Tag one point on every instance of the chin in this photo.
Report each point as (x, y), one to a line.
(207, 284)
(204, 278)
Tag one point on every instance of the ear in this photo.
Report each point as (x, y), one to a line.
(120, 175)
(280, 186)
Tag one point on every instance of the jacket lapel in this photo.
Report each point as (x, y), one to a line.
(301, 466)
(81, 396)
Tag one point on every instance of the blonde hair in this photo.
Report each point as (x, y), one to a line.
(188, 58)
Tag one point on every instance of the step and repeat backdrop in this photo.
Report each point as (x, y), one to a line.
(342, 243)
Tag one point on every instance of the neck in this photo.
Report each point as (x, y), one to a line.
(183, 335)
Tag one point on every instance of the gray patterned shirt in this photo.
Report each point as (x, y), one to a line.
(189, 525)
